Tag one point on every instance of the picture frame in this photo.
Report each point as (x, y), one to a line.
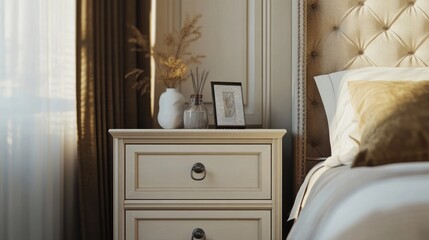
(228, 107)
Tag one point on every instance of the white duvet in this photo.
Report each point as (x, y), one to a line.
(385, 202)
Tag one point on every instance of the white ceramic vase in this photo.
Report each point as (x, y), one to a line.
(171, 106)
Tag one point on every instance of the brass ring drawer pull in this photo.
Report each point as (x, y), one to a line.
(198, 168)
(198, 233)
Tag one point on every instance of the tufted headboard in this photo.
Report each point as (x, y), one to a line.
(334, 35)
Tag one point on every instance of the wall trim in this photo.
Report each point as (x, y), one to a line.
(266, 64)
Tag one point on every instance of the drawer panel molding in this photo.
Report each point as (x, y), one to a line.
(216, 225)
(166, 172)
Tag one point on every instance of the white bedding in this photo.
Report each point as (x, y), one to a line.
(303, 193)
(338, 201)
(344, 132)
(344, 201)
(381, 196)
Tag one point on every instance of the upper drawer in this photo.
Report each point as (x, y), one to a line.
(167, 172)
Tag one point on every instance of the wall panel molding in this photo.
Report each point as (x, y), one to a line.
(236, 43)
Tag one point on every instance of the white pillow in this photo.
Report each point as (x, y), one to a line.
(344, 126)
(329, 87)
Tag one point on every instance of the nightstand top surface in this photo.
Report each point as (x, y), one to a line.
(198, 133)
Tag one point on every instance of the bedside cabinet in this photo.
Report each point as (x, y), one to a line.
(197, 184)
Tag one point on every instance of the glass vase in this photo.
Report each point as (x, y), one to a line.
(196, 114)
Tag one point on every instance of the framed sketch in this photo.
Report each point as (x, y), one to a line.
(228, 109)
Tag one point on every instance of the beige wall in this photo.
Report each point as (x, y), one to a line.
(281, 89)
(169, 14)
(281, 76)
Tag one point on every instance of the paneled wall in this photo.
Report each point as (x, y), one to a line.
(235, 42)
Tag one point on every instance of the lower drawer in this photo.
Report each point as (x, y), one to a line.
(181, 225)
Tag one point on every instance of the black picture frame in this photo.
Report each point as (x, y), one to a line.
(228, 107)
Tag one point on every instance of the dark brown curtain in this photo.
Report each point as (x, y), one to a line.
(105, 100)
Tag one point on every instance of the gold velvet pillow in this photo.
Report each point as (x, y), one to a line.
(393, 120)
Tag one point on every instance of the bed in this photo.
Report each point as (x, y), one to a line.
(360, 173)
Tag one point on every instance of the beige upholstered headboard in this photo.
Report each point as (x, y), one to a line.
(334, 35)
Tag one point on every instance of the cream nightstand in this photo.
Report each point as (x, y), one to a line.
(197, 184)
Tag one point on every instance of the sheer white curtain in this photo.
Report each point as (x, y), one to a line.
(37, 118)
